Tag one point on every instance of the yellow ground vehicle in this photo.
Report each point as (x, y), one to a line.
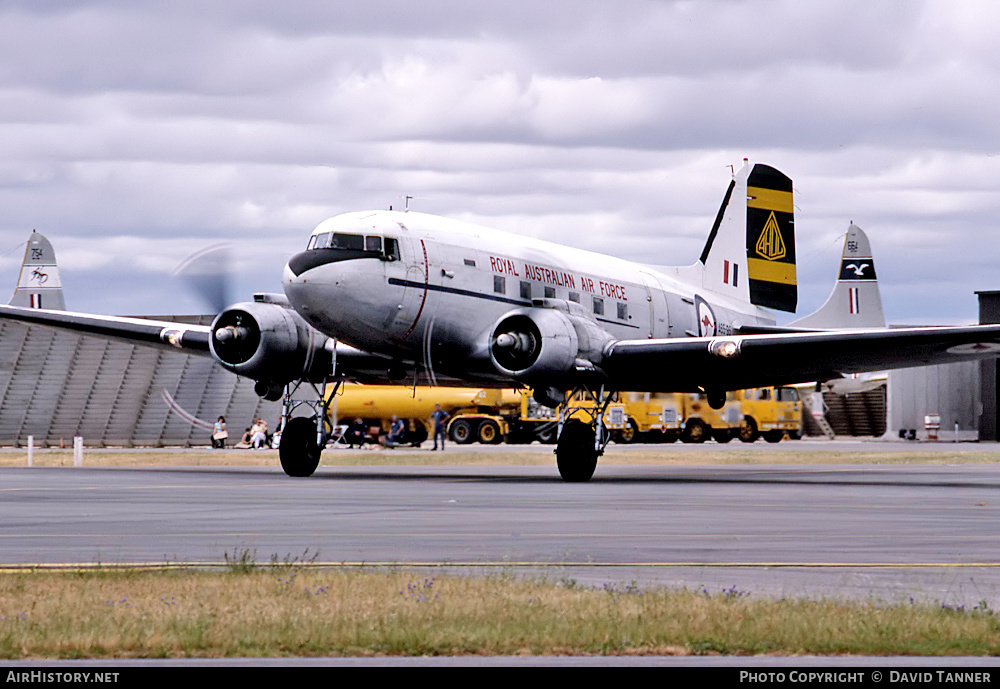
(493, 416)
(747, 414)
(769, 412)
(487, 416)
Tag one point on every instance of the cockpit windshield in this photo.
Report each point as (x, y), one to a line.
(356, 245)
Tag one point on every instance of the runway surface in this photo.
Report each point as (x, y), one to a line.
(885, 532)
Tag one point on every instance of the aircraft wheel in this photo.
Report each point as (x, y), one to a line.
(489, 432)
(461, 432)
(299, 451)
(695, 432)
(723, 435)
(774, 436)
(575, 453)
(748, 430)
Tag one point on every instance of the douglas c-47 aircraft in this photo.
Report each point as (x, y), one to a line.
(390, 297)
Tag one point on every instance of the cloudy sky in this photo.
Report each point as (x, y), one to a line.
(133, 134)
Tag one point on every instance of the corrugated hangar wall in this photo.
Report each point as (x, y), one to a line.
(56, 385)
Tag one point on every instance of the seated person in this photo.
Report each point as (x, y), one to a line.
(396, 431)
(356, 433)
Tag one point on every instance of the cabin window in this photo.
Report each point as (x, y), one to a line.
(499, 284)
(525, 289)
(470, 262)
(622, 311)
(550, 292)
(765, 394)
(574, 296)
(598, 306)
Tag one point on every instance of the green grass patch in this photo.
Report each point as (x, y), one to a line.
(281, 610)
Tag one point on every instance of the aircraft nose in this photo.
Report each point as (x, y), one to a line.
(307, 260)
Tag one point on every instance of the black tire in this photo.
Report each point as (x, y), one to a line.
(774, 436)
(695, 431)
(461, 432)
(299, 452)
(722, 435)
(417, 435)
(748, 430)
(576, 457)
(489, 433)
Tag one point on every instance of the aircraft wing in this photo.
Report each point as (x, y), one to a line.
(175, 336)
(737, 362)
(168, 335)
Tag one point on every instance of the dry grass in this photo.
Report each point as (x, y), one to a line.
(302, 612)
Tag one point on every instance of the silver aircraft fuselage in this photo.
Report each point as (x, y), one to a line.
(427, 289)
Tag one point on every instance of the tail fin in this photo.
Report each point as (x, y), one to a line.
(758, 235)
(855, 301)
(38, 285)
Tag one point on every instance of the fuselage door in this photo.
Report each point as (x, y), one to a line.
(659, 318)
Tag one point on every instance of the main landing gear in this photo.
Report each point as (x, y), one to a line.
(582, 441)
(304, 437)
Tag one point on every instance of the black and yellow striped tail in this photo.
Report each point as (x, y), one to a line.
(771, 239)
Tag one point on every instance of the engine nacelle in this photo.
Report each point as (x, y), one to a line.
(269, 343)
(542, 344)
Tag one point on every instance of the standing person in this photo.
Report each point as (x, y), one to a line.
(219, 434)
(440, 418)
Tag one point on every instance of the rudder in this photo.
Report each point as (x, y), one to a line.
(771, 239)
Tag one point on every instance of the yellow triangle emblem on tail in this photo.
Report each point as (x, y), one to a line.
(770, 245)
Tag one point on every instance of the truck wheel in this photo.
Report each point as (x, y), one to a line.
(695, 432)
(546, 433)
(774, 436)
(722, 435)
(629, 434)
(748, 430)
(461, 432)
(489, 432)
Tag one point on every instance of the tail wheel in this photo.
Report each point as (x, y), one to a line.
(775, 436)
(489, 432)
(461, 432)
(748, 430)
(695, 431)
(576, 455)
(299, 452)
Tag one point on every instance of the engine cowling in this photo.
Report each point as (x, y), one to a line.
(540, 344)
(270, 344)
